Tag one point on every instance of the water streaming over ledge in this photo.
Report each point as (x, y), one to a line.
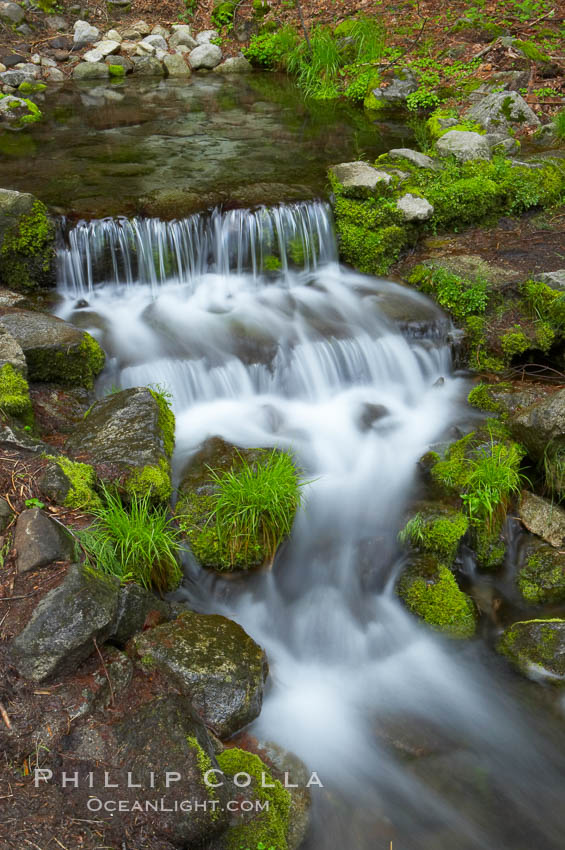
(153, 252)
(264, 339)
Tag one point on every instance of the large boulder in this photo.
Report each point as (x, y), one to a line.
(129, 438)
(27, 242)
(358, 179)
(536, 648)
(543, 518)
(65, 624)
(213, 661)
(205, 56)
(463, 145)
(40, 540)
(502, 111)
(54, 350)
(158, 751)
(429, 590)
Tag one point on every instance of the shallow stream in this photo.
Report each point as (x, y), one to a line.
(263, 339)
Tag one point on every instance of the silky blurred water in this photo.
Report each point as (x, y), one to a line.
(263, 339)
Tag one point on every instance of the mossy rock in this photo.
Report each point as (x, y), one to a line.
(128, 438)
(214, 662)
(151, 741)
(194, 508)
(70, 484)
(436, 528)
(536, 648)
(54, 350)
(259, 829)
(429, 590)
(15, 402)
(27, 242)
(542, 577)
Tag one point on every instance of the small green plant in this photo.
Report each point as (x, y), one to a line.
(135, 542)
(34, 503)
(256, 503)
(494, 477)
(190, 7)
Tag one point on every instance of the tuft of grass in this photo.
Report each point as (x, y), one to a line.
(494, 478)
(317, 66)
(137, 542)
(256, 503)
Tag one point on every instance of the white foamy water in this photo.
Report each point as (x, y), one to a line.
(264, 340)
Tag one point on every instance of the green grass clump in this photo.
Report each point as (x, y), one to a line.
(256, 503)
(317, 65)
(136, 542)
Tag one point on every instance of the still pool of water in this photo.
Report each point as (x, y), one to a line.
(168, 149)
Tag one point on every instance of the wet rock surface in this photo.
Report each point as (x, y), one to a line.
(214, 662)
(40, 540)
(65, 624)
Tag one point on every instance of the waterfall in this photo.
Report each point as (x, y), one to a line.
(154, 252)
(265, 340)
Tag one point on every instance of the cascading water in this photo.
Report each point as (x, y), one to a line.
(263, 339)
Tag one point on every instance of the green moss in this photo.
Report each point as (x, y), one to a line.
(480, 397)
(166, 420)
(117, 70)
(269, 827)
(31, 88)
(153, 480)
(370, 251)
(27, 253)
(204, 763)
(82, 478)
(531, 51)
(437, 529)
(542, 578)
(78, 365)
(271, 263)
(489, 548)
(535, 643)
(514, 342)
(436, 130)
(459, 296)
(14, 395)
(432, 594)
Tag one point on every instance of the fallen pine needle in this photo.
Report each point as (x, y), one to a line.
(5, 717)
